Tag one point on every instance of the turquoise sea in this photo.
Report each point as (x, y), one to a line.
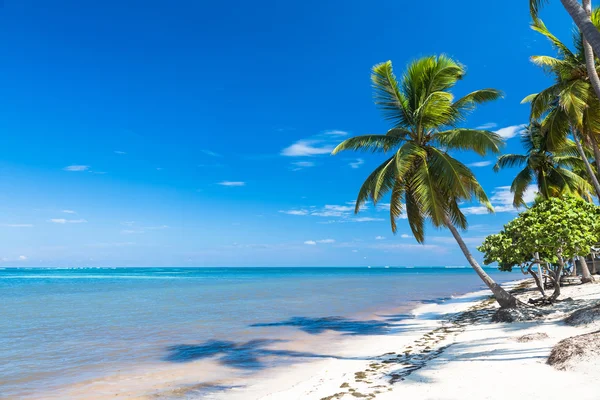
(59, 327)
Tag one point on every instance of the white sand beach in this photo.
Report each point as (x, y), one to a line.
(430, 357)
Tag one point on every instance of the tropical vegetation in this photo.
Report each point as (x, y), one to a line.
(427, 184)
(548, 234)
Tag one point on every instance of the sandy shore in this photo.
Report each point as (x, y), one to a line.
(444, 351)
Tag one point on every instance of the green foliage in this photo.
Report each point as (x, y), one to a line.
(556, 228)
(570, 101)
(420, 172)
(550, 170)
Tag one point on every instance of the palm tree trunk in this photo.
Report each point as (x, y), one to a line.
(588, 166)
(589, 54)
(586, 277)
(558, 274)
(505, 299)
(583, 22)
(594, 144)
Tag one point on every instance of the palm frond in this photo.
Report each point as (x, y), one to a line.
(535, 7)
(556, 129)
(509, 161)
(479, 141)
(414, 212)
(369, 184)
(372, 143)
(388, 96)
(396, 203)
(519, 185)
(539, 26)
(427, 192)
(470, 101)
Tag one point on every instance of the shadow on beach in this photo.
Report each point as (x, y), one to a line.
(242, 355)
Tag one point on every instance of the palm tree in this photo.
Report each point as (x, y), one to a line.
(549, 170)
(423, 178)
(569, 105)
(579, 15)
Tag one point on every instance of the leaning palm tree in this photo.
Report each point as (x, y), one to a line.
(569, 106)
(580, 13)
(590, 61)
(424, 180)
(553, 172)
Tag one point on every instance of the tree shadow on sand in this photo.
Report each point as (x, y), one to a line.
(315, 326)
(242, 355)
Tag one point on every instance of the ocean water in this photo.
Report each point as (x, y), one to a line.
(59, 327)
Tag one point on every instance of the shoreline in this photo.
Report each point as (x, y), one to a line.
(424, 353)
(209, 378)
(365, 365)
(436, 350)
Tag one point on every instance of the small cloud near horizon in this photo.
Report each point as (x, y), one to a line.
(76, 168)
(67, 221)
(232, 183)
(119, 152)
(69, 212)
(322, 241)
(379, 237)
(211, 153)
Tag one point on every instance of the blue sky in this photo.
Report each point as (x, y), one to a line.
(195, 133)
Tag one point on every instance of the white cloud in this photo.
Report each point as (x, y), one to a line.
(480, 164)
(336, 132)
(76, 168)
(132, 231)
(404, 236)
(294, 212)
(119, 152)
(511, 131)
(343, 212)
(356, 164)
(232, 183)
(502, 200)
(307, 148)
(366, 219)
(489, 125)
(379, 237)
(322, 241)
(315, 145)
(210, 153)
(355, 251)
(67, 221)
(128, 223)
(18, 225)
(69, 212)
(326, 241)
(22, 258)
(475, 210)
(383, 206)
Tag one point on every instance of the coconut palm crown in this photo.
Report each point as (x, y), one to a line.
(425, 181)
(553, 172)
